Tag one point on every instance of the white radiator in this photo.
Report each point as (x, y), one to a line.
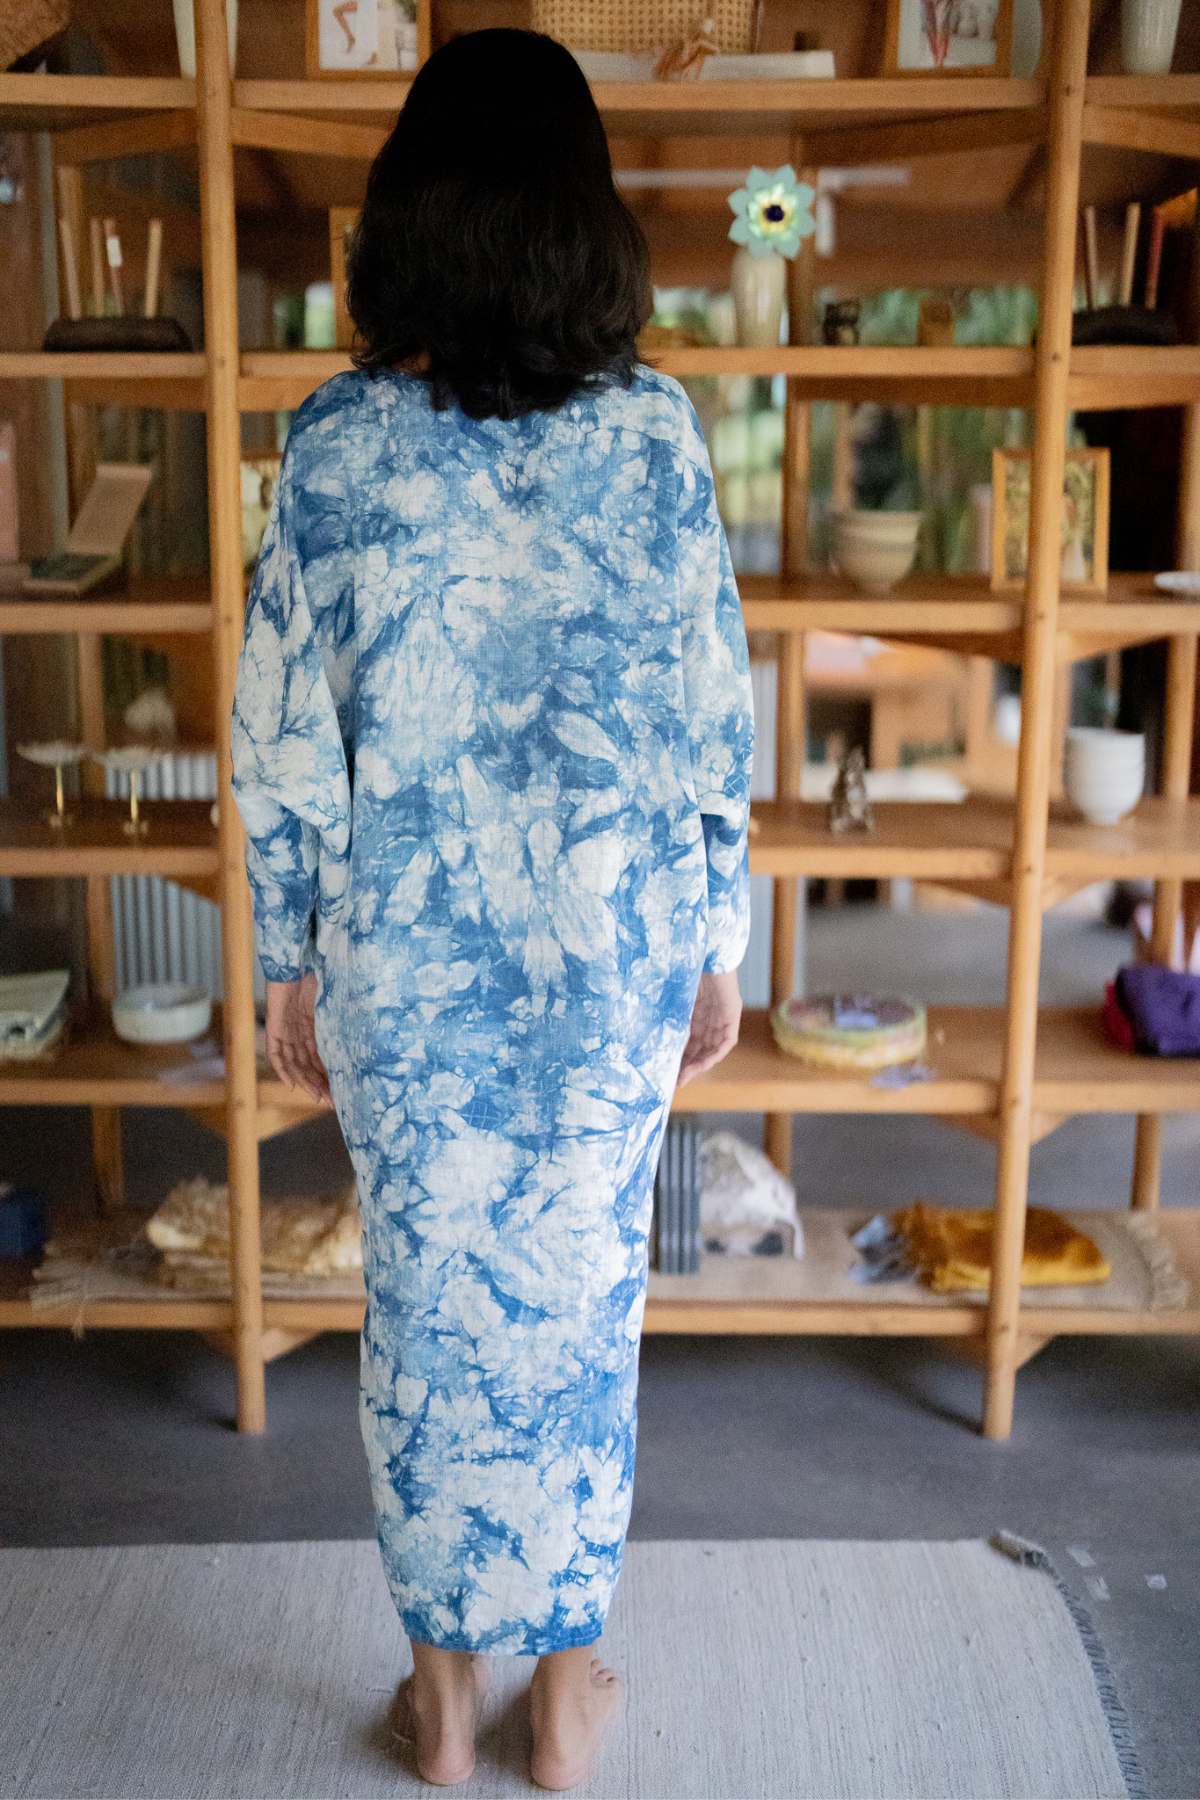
(160, 931)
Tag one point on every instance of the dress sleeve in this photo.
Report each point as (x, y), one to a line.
(290, 760)
(716, 677)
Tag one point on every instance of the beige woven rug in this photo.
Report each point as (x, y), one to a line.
(758, 1671)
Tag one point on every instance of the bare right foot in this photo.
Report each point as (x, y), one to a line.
(440, 1726)
(569, 1720)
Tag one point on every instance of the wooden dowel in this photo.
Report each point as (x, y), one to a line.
(153, 267)
(70, 269)
(1065, 86)
(96, 244)
(1133, 217)
(114, 259)
(1158, 226)
(1091, 256)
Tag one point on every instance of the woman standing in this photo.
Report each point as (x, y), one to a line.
(492, 745)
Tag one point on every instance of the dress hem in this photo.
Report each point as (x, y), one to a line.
(544, 1647)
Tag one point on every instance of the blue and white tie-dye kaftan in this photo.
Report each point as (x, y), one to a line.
(492, 745)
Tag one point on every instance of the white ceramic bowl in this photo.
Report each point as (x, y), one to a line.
(892, 526)
(875, 550)
(1104, 772)
(1184, 584)
(161, 1012)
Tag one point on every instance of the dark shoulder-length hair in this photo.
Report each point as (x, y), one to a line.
(492, 241)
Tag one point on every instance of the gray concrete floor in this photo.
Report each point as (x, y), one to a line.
(128, 1438)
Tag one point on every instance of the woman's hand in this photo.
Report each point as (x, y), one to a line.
(715, 1020)
(292, 1039)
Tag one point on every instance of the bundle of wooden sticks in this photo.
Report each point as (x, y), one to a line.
(106, 265)
(1129, 251)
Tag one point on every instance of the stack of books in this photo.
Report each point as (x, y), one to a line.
(675, 1233)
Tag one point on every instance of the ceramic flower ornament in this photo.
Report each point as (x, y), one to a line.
(773, 212)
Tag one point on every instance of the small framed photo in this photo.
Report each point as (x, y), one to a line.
(948, 37)
(365, 37)
(1083, 568)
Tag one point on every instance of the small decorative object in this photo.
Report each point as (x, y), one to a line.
(33, 1012)
(1084, 563)
(685, 60)
(1104, 772)
(747, 1208)
(1148, 31)
(342, 220)
(111, 325)
(1180, 584)
(131, 760)
(260, 474)
(641, 26)
(772, 215)
(875, 550)
(185, 34)
(948, 37)
(850, 1031)
(57, 756)
(97, 539)
(161, 1012)
(151, 717)
(363, 37)
(935, 323)
(839, 325)
(24, 1220)
(850, 808)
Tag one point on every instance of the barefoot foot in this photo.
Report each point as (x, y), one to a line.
(440, 1726)
(569, 1720)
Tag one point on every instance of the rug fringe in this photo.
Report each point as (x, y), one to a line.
(1032, 1555)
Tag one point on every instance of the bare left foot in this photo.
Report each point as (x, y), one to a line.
(440, 1726)
(569, 1722)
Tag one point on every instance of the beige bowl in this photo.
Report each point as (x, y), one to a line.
(873, 564)
(890, 527)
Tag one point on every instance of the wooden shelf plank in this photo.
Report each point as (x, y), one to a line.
(1153, 92)
(181, 840)
(168, 606)
(172, 381)
(54, 102)
(1108, 376)
(1079, 1071)
(1162, 838)
(714, 108)
(927, 841)
(96, 1068)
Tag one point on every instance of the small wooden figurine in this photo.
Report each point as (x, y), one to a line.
(849, 805)
(840, 322)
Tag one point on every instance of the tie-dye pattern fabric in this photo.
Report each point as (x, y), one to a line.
(492, 746)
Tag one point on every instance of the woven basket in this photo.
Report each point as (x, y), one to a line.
(642, 25)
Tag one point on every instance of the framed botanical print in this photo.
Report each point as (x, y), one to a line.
(948, 37)
(1083, 568)
(366, 38)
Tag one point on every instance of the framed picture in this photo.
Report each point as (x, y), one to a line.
(365, 38)
(1084, 565)
(260, 476)
(342, 220)
(948, 37)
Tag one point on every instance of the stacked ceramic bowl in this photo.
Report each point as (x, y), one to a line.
(875, 550)
(1104, 772)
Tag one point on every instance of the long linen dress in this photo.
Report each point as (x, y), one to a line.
(492, 746)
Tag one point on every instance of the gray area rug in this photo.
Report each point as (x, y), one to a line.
(757, 1671)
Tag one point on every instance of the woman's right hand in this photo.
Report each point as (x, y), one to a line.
(715, 1020)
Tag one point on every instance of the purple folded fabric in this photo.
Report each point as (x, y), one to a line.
(1163, 1006)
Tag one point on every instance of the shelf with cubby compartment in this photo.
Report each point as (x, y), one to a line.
(94, 1067)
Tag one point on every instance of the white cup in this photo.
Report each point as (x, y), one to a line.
(1104, 772)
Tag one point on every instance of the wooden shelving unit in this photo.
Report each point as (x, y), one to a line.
(1009, 1073)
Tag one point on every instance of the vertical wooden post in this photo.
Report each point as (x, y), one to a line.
(1068, 69)
(219, 251)
(1179, 715)
(789, 662)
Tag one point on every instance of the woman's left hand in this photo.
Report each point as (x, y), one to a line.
(292, 1039)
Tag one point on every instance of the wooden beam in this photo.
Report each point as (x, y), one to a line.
(843, 146)
(1068, 71)
(126, 137)
(291, 133)
(1124, 128)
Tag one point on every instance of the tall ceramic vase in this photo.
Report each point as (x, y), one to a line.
(1148, 29)
(759, 285)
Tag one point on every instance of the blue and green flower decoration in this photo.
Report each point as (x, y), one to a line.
(773, 212)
